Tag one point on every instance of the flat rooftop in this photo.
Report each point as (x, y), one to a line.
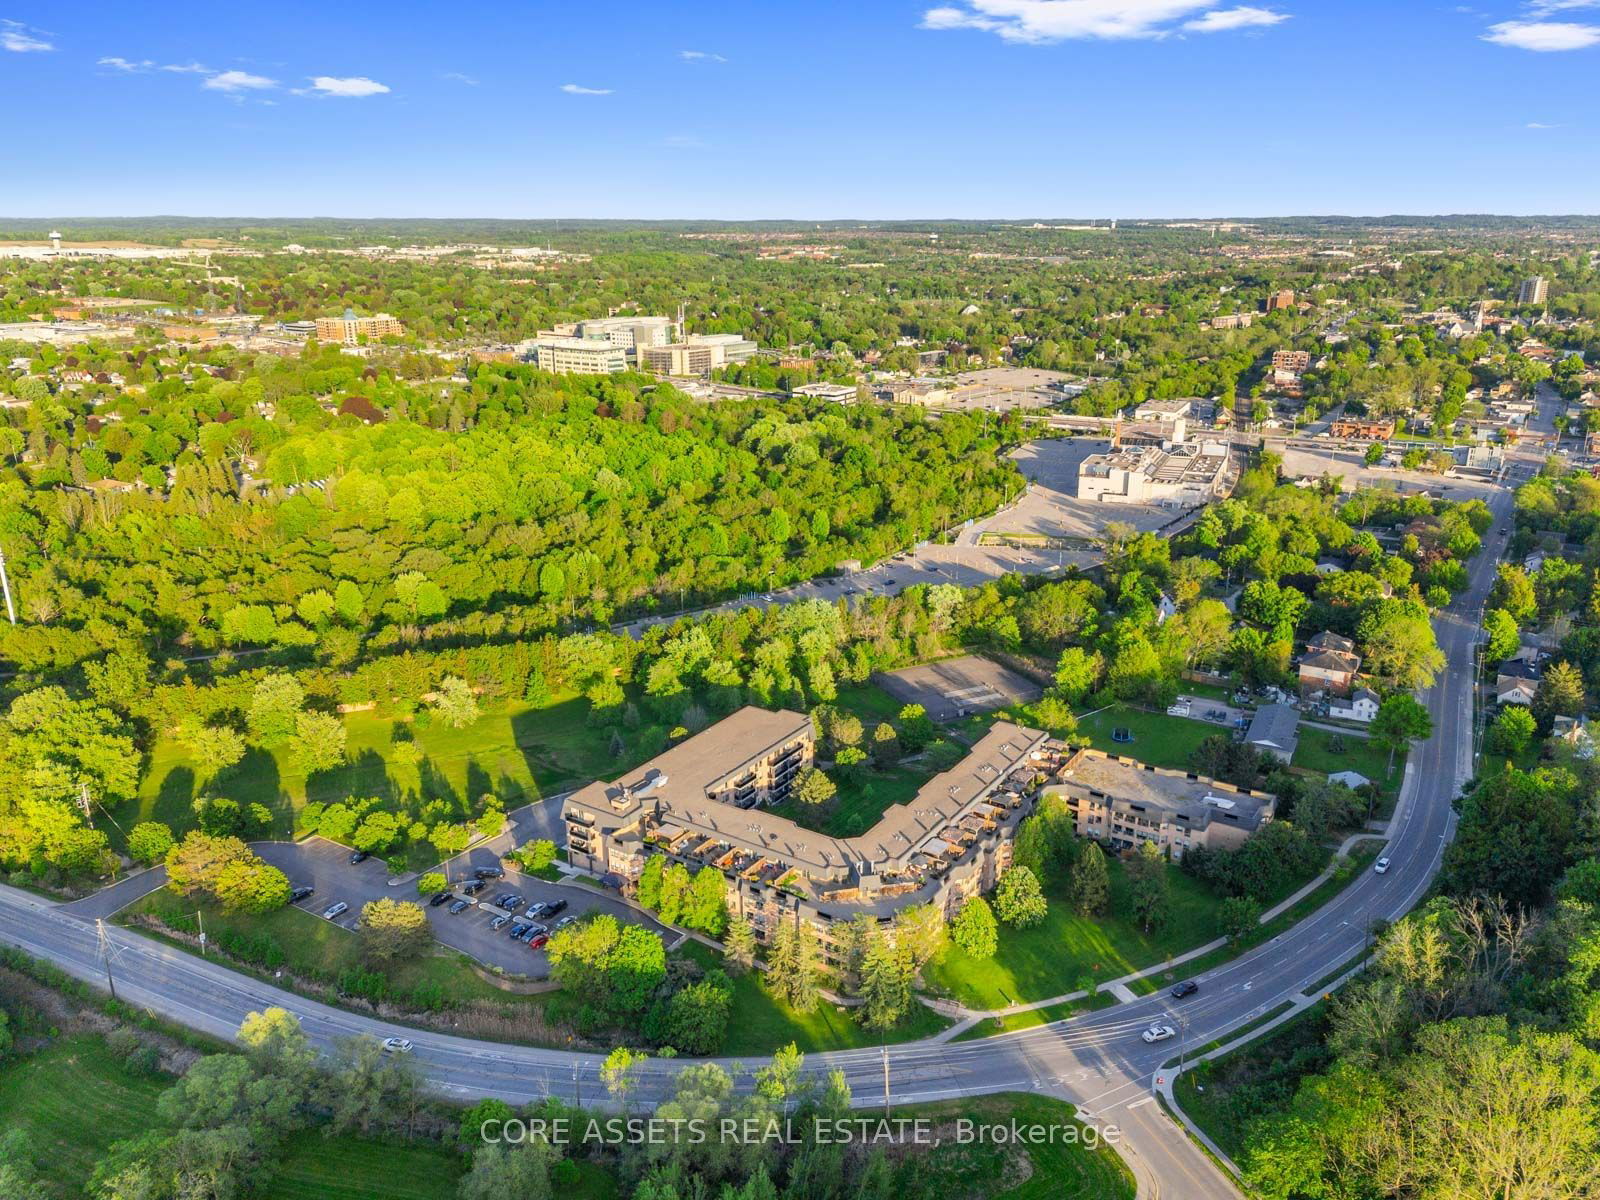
(1195, 798)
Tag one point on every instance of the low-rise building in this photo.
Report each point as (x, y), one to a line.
(703, 803)
(1363, 429)
(1280, 300)
(1123, 803)
(832, 393)
(1170, 409)
(350, 328)
(1329, 664)
(578, 356)
(1362, 705)
(1181, 475)
(1274, 730)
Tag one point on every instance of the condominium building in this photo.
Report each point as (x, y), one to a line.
(1123, 803)
(579, 356)
(1534, 291)
(349, 329)
(1280, 300)
(1291, 360)
(703, 803)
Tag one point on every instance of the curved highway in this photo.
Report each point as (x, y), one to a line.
(1096, 1060)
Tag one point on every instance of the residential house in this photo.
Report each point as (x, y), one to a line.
(1273, 731)
(1361, 705)
(1329, 665)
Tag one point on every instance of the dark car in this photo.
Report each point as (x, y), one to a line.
(460, 906)
(489, 873)
(473, 888)
(1187, 988)
(439, 898)
(359, 856)
(555, 907)
(500, 900)
(301, 893)
(512, 903)
(518, 929)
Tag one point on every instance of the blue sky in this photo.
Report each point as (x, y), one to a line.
(870, 109)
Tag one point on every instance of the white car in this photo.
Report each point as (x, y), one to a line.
(333, 910)
(1381, 867)
(397, 1045)
(1159, 1033)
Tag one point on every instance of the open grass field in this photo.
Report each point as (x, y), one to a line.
(1158, 739)
(517, 752)
(72, 1100)
(1316, 753)
(1067, 952)
(321, 1168)
(1047, 1171)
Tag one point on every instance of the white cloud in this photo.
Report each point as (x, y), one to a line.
(192, 68)
(239, 81)
(573, 89)
(1541, 125)
(1037, 21)
(352, 88)
(458, 77)
(1244, 17)
(22, 39)
(1544, 35)
(1545, 7)
(700, 56)
(122, 64)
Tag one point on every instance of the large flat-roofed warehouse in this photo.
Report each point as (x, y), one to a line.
(1187, 473)
(701, 804)
(1123, 802)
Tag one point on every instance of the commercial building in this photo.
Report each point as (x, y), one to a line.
(1123, 803)
(702, 803)
(1186, 474)
(1363, 429)
(833, 393)
(1534, 291)
(1278, 300)
(578, 356)
(349, 329)
(630, 333)
(1170, 409)
(696, 355)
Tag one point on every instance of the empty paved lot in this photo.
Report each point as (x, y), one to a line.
(958, 687)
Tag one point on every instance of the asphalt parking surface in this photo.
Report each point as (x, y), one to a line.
(326, 866)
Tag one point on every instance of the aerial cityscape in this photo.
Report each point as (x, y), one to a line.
(990, 600)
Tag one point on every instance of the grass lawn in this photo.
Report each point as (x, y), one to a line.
(517, 752)
(1158, 739)
(1055, 1170)
(1067, 952)
(315, 1167)
(1034, 1017)
(762, 1022)
(71, 1100)
(312, 947)
(1316, 753)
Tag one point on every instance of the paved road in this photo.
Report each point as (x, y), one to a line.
(1096, 1060)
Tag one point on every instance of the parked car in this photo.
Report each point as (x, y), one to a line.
(333, 910)
(540, 942)
(554, 907)
(537, 927)
(564, 922)
(1381, 867)
(439, 898)
(519, 928)
(513, 902)
(500, 900)
(536, 909)
(490, 873)
(1159, 1033)
(301, 893)
(1177, 710)
(1187, 988)
(359, 856)
(459, 906)
(473, 887)
(397, 1045)
(499, 922)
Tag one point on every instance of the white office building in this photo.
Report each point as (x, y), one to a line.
(579, 356)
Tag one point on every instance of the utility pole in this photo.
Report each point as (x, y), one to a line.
(105, 954)
(577, 1087)
(200, 917)
(5, 586)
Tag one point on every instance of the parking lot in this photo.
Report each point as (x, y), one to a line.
(958, 687)
(325, 866)
(1051, 507)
